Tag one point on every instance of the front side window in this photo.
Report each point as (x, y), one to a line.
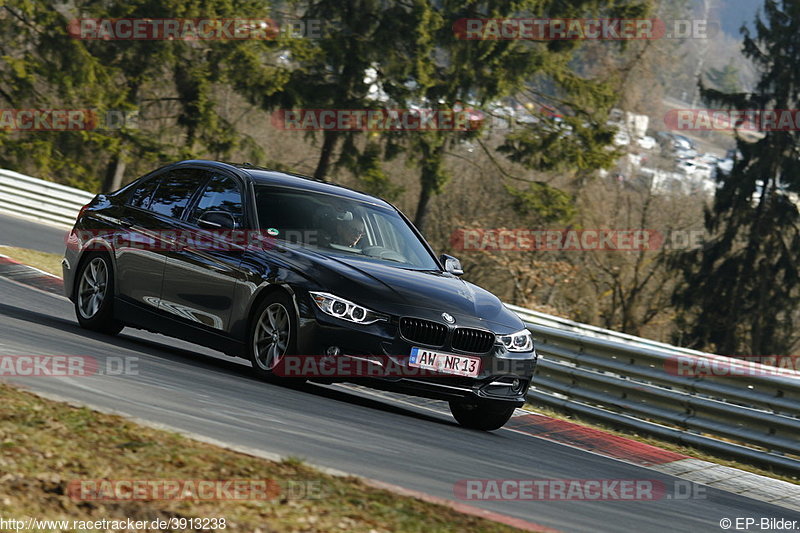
(140, 197)
(174, 191)
(222, 193)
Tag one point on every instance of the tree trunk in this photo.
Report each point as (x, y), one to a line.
(328, 144)
(114, 174)
(421, 218)
(430, 180)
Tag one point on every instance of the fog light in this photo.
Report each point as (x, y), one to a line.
(333, 350)
(516, 385)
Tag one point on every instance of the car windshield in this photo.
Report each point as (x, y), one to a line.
(340, 227)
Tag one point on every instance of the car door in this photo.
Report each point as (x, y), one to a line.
(138, 261)
(150, 219)
(202, 270)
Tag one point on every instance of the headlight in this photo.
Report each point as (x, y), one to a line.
(521, 341)
(344, 309)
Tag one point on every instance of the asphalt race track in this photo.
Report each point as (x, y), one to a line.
(414, 444)
(20, 232)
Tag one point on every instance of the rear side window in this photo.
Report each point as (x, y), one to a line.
(140, 197)
(174, 191)
(221, 194)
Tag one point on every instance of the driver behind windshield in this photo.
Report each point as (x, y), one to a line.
(350, 232)
(346, 231)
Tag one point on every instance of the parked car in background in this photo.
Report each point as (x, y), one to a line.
(647, 142)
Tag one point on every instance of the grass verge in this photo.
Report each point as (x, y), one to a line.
(50, 263)
(45, 445)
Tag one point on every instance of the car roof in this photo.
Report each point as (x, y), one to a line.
(265, 176)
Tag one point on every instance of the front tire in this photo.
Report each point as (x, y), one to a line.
(272, 335)
(94, 295)
(485, 416)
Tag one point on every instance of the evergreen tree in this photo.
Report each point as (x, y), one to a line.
(725, 79)
(171, 84)
(741, 291)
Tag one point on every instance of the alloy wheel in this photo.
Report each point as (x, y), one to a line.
(93, 287)
(271, 336)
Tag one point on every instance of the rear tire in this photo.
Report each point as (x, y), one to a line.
(485, 416)
(94, 295)
(272, 336)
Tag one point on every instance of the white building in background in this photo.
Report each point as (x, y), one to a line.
(670, 182)
(631, 127)
(636, 124)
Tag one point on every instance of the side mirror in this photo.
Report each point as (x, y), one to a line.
(216, 220)
(452, 264)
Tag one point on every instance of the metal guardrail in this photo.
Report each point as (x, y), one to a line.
(742, 409)
(40, 200)
(614, 377)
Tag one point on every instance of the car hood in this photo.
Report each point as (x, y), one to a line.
(399, 291)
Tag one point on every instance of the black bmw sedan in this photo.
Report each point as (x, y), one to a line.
(306, 279)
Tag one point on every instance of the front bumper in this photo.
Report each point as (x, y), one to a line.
(381, 357)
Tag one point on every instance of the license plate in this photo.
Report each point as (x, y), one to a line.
(446, 363)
